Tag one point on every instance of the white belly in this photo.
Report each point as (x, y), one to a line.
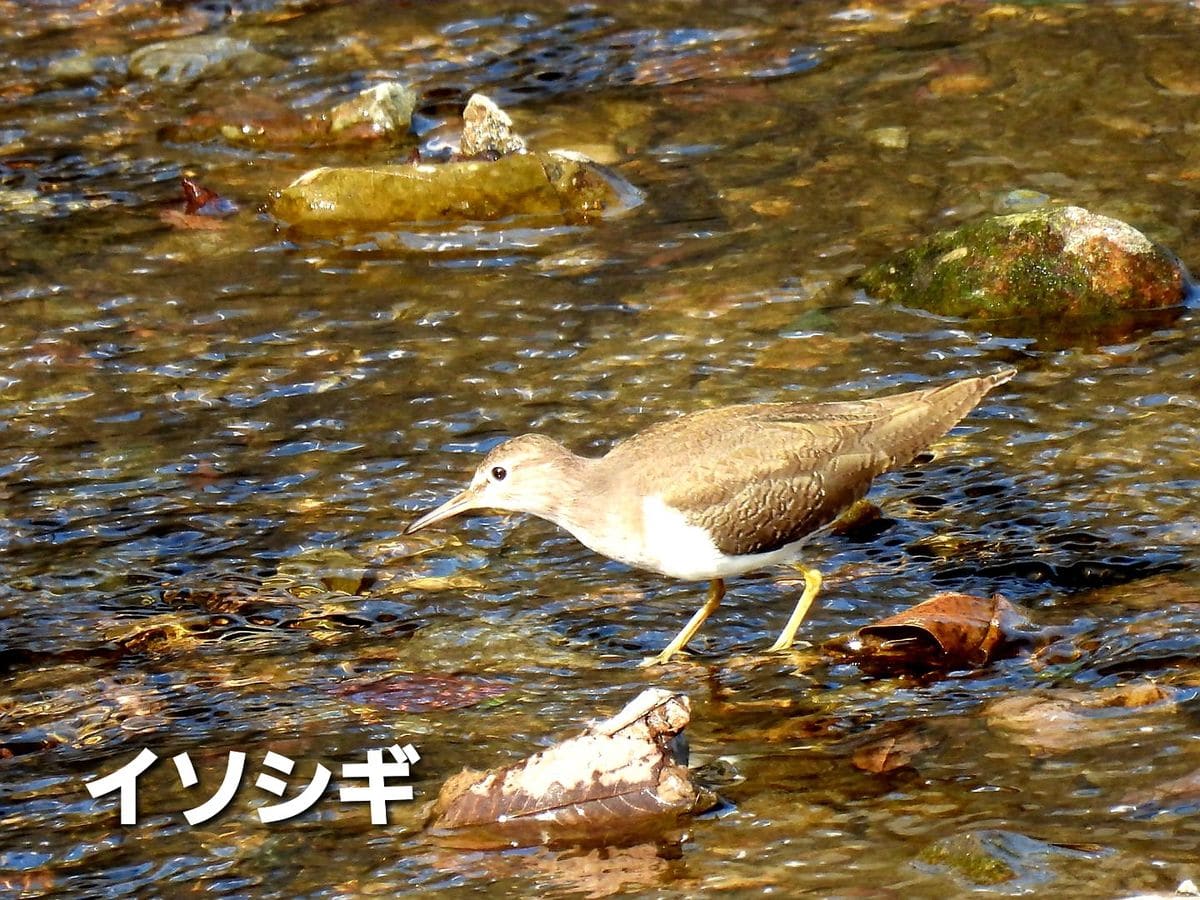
(674, 547)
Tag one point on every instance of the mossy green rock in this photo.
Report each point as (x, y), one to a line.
(1047, 263)
(970, 858)
(557, 184)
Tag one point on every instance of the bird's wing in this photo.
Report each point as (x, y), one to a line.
(784, 481)
(765, 475)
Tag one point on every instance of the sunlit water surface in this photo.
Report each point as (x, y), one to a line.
(210, 441)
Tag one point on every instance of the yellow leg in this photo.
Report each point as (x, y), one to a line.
(715, 592)
(812, 584)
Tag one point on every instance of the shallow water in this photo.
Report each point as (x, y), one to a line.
(210, 441)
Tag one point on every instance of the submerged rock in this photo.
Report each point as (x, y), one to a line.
(191, 58)
(555, 184)
(1061, 721)
(1042, 264)
(971, 857)
(989, 859)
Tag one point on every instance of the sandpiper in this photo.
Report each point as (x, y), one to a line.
(719, 492)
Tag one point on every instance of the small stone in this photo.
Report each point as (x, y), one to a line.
(960, 84)
(970, 857)
(386, 108)
(488, 130)
(889, 138)
(1019, 201)
(23, 200)
(76, 67)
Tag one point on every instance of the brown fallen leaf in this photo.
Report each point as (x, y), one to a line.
(195, 195)
(619, 781)
(891, 747)
(948, 630)
(200, 201)
(202, 209)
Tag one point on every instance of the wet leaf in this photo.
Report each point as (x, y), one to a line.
(891, 747)
(200, 201)
(202, 211)
(621, 777)
(950, 630)
(414, 692)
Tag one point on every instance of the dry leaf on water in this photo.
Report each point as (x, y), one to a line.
(620, 780)
(948, 630)
(202, 211)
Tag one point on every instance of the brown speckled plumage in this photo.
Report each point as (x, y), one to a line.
(760, 476)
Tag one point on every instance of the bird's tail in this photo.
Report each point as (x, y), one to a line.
(918, 418)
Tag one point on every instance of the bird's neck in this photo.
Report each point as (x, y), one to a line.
(572, 498)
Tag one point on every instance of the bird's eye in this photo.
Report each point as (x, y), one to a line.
(499, 473)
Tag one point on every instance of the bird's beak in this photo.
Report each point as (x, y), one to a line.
(460, 502)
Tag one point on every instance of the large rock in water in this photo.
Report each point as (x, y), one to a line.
(557, 184)
(1045, 264)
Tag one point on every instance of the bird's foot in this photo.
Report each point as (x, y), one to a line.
(797, 658)
(659, 659)
(793, 646)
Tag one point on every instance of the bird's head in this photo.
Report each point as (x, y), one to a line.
(530, 474)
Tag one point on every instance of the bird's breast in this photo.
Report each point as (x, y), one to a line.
(658, 537)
